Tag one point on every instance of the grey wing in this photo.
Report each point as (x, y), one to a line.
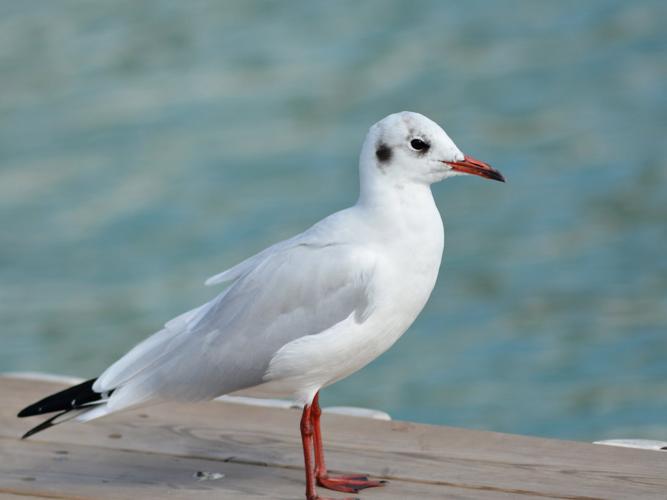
(227, 344)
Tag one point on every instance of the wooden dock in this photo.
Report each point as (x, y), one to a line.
(226, 450)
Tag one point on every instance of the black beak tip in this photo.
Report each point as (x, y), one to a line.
(497, 176)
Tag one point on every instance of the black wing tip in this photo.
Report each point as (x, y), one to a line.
(43, 426)
(35, 430)
(66, 399)
(25, 412)
(34, 409)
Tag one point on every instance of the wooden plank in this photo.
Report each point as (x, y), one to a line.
(67, 471)
(455, 460)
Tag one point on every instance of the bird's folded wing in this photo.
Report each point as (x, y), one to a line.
(225, 345)
(248, 264)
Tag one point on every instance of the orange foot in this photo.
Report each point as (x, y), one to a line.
(348, 483)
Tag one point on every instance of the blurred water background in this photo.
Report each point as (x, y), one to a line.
(146, 145)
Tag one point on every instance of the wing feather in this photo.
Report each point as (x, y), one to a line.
(297, 288)
(248, 264)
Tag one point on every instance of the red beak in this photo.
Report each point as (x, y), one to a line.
(470, 165)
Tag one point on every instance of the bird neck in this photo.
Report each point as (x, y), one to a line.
(409, 205)
(382, 190)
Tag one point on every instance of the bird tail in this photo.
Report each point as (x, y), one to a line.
(69, 403)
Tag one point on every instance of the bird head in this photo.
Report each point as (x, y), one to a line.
(407, 147)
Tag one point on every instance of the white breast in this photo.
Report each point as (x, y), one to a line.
(408, 263)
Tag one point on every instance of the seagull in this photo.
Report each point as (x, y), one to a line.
(305, 312)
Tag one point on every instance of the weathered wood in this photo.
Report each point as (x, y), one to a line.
(258, 450)
(75, 471)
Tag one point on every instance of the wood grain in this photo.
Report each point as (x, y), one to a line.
(258, 450)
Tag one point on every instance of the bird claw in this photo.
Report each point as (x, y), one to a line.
(317, 497)
(328, 498)
(348, 483)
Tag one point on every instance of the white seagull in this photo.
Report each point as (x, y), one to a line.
(305, 312)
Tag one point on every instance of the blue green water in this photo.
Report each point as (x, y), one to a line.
(145, 146)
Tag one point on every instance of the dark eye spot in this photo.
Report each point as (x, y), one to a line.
(383, 153)
(419, 145)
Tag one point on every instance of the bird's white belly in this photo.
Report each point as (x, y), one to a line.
(302, 367)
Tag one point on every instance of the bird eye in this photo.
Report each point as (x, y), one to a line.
(419, 145)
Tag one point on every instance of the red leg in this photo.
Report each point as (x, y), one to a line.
(348, 483)
(320, 466)
(306, 440)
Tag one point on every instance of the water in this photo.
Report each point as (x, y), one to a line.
(145, 146)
